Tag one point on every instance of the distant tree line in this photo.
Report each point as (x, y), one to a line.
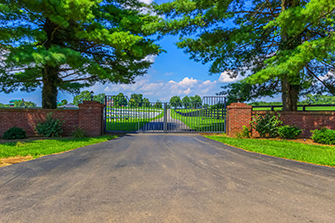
(186, 102)
(20, 104)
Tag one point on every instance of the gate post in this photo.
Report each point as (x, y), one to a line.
(239, 114)
(165, 117)
(90, 117)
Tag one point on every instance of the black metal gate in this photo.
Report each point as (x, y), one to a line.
(124, 115)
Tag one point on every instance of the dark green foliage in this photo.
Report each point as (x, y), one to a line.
(196, 101)
(319, 99)
(266, 125)
(242, 91)
(136, 100)
(282, 47)
(50, 128)
(63, 102)
(186, 101)
(324, 136)
(69, 45)
(289, 132)
(146, 103)
(158, 104)
(14, 133)
(175, 101)
(79, 133)
(86, 96)
(24, 104)
(245, 133)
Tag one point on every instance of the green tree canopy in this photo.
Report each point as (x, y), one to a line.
(3, 105)
(63, 102)
(24, 104)
(86, 96)
(136, 100)
(120, 100)
(319, 99)
(146, 103)
(158, 104)
(282, 46)
(67, 45)
(186, 101)
(196, 101)
(175, 101)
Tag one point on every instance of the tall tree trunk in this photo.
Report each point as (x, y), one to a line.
(50, 87)
(290, 95)
(290, 92)
(50, 73)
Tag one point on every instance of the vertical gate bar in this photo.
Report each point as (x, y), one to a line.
(105, 127)
(225, 114)
(165, 117)
(215, 113)
(212, 111)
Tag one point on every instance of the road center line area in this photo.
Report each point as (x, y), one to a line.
(165, 178)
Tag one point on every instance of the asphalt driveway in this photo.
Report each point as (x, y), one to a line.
(165, 178)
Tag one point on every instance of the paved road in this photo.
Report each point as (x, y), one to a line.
(165, 178)
(173, 125)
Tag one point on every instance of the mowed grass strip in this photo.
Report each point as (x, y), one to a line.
(38, 148)
(322, 155)
(131, 124)
(200, 123)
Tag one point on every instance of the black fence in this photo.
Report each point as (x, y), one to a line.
(315, 107)
(122, 114)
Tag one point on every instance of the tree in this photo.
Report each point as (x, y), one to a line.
(196, 101)
(3, 105)
(63, 102)
(86, 96)
(83, 96)
(137, 100)
(242, 91)
(100, 98)
(319, 99)
(158, 104)
(146, 103)
(120, 100)
(175, 101)
(24, 104)
(285, 44)
(186, 101)
(132, 103)
(68, 45)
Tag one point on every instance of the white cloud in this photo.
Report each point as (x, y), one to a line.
(147, 1)
(188, 82)
(225, 78)
(162, 90)
(151, 58)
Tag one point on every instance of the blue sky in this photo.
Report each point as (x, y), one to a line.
(172, 73)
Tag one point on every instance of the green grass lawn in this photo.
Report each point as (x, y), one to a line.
(131, 124)
(323, 155)
(37, 148)
(200, 124)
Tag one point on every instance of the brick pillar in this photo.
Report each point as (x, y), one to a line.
(90, 118)
(239, 114)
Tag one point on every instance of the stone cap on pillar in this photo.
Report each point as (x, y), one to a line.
(239, 105)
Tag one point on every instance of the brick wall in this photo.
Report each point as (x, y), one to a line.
(304, 120)
(239, 114)
(91, 117)
(88, 117)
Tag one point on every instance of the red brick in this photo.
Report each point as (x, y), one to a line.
(88, 117)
